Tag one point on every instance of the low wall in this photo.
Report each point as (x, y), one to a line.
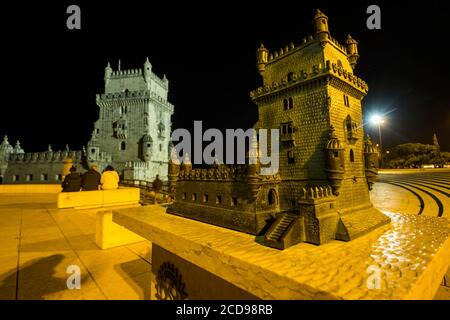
(404, 260)
(30, 188)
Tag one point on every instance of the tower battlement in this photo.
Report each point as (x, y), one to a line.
(308, 77)
(135, 79)
(138, 95)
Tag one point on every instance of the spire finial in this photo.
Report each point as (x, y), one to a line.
(119, 65)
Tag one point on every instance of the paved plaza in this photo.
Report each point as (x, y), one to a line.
(39, 241)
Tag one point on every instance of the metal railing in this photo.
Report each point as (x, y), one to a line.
(146, 188)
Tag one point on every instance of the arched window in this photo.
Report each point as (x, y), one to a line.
(339, 64)
(352, 156)
(272, 197)
(291, 103)
(285, 104)
(123, 145)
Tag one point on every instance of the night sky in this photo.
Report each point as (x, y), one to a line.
(207, 50)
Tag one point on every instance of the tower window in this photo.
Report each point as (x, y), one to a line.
(92, 150)
(234, 201)
(285, 104)
(291, 157)
(160, 147)
(184, 196)
(218, 199)
(15, 177)
(29, 177)
(291, 103)
(346, 101)
(123, 145)
(194, 197)
(205, 198)
(58, 177)
(352, 156)
(44, 177)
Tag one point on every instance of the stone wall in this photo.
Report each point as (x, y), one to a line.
(40, 167)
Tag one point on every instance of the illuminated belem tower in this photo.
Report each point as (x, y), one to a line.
(132, 134)
(326, 164)
(134, 125)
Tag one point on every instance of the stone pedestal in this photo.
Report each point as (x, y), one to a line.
(405, 259)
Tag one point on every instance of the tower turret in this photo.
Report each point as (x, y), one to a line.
(174, 171)
(352, 51)
(108, 72)
(147, 144)
(253, 166)
(166, 81)
(5, 147)
(334, 157)
(18, 148)
(147, 70)
(370, 162)
(321, 31)
(186, 165)
(262, 56)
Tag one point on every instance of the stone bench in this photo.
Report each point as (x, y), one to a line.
(98, 199)
(109, 234)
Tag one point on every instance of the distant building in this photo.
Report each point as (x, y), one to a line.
(132, 134)
(321, 191)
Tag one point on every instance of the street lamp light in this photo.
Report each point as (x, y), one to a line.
(378, 120)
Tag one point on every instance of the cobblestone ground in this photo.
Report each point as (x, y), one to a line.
(424, 192)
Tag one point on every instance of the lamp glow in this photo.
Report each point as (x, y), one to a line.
(376, 119)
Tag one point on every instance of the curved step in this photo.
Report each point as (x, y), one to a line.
(426, 209)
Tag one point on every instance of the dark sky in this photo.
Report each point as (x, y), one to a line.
(207, 49)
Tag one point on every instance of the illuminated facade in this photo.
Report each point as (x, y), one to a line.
(132, 134)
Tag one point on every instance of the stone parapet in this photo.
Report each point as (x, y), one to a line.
(404, 260)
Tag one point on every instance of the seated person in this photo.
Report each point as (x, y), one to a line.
(90, 179)
(72, 182)
(110, 179)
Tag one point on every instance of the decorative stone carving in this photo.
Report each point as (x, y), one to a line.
(169, 284)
